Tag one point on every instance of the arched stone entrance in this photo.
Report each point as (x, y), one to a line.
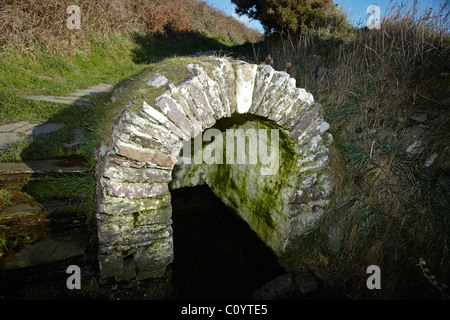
(135, 170)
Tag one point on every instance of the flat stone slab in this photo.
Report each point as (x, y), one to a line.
(45, 128)
(46, 251)
(59, 205)
(76, 98)
(12, 127)
(41, 166)
(157, 81)
(79, 101)
(20, 209)
(30, 128)
(12, 132)
(8, 138)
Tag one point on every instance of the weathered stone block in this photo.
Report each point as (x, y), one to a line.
(118, 206)
(285, 103)
(224, 76)
(212, 89)
(117, 172)
(154, 135)
(108, 233)
(199, 97)
(182, 96)
(263, 78)
(150, 274)
(152, 258)
(110, 265)
(179, 94)
(124, 162)
(155, 117)
(173, 111)
(245, 82)
(157, 81)
(156, 216)
(273, 93)
(135, 190)
(305, 121)
(133, 151)
(114, 266)
(299, 107)
(277, 288)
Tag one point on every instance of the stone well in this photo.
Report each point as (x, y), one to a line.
(142, 163)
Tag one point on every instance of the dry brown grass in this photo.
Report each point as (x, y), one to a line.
(23, 24)
(378, 88)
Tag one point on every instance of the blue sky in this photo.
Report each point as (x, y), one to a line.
(356, 9)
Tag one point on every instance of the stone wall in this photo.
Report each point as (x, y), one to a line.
(135, 169)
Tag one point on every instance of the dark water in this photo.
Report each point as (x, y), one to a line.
(217, 255)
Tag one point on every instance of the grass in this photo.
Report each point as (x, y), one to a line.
(377, 90)
(113, 46)
(376, 87)
(57, 74)
(40, 147)
(20, 239)
(78, 188)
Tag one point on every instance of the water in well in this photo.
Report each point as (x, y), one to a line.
(217, 255)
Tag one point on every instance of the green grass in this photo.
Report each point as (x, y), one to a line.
(18, 241)
(110, 59)
(41, 73)
(79, 188)
(40, 147)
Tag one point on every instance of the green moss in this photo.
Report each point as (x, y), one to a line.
(233, 182)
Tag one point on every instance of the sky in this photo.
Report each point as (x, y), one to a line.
(356, 9)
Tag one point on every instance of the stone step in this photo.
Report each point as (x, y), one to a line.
(78, 98)
(14, 182)
(46, 251)
(12, 132)
(33, 220)
(78, 101)
(56, 206)
(64, 165)
(20, 209)
(30, 128)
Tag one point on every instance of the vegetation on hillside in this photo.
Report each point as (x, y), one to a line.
(293, 16)
(382, 91)
(117, 40)
(28, 23)
(386, 96)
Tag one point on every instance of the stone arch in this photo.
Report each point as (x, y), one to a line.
(134, 171)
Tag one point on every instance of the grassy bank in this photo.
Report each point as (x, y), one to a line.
(39, 55)
(118, 41)
(385, 95)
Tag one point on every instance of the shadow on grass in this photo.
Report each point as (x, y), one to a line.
(152, 48)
